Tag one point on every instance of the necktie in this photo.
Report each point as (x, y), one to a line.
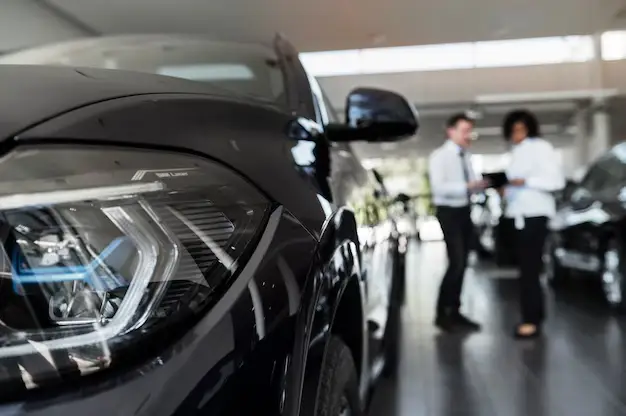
(466, 174)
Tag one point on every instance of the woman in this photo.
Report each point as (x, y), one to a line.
(534, 174)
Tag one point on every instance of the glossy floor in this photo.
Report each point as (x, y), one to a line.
(577, 369)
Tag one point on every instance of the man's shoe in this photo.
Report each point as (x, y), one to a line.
(445, 323)
(465, 323)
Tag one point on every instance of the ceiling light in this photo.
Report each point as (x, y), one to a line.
(474, 114)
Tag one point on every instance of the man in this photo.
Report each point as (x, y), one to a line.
(452, 181)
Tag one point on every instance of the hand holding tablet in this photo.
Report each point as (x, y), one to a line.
(496, 179)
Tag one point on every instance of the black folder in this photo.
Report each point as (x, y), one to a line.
(496, 179)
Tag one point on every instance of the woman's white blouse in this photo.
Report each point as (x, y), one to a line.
(535, 161)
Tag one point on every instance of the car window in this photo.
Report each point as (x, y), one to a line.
(236, 68)
(318, 99)
(595, 178)
(608, 172)
(332, 114)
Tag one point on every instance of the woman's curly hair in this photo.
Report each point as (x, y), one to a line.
(521, 116)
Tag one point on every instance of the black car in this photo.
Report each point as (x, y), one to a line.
(175, 247)
(588, 238)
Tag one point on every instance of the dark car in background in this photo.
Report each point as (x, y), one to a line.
(588, 237)
(202, 246)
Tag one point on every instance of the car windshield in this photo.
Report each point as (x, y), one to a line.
(239, 69)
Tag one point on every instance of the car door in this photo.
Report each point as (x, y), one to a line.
(359, 189)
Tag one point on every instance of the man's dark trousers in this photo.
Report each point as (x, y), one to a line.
(457, 228)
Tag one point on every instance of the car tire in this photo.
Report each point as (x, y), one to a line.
(556, 275)
(612, 276)
(338, 391)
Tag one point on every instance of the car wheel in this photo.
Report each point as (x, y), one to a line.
(338, 392)
(556, 275)
(613, 276)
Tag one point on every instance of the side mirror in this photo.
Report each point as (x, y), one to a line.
(376, 116)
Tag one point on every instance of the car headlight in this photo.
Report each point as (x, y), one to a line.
(103, 247)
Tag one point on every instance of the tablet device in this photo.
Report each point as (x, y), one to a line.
(496, 179)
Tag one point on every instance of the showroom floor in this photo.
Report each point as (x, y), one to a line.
(577, 369)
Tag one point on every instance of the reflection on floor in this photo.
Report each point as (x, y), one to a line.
(578, 369)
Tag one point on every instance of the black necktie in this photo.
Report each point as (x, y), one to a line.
(464, 164)
(466, 174)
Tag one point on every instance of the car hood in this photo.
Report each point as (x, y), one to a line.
(32, 94)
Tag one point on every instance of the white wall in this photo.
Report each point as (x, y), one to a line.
(26, 23)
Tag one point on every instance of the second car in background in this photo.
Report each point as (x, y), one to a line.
(588, 238)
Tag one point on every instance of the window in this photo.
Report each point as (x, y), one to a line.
(333, 117)
(318, 101)
(594, 179)
(617, 173)
(608, 172)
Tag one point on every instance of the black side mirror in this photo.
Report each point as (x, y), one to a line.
(376, 116)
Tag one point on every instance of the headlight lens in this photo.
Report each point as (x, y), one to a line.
(102, 247)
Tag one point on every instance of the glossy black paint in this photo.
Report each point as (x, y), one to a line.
(318, 269)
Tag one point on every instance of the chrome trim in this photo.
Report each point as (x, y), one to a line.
(576, 260)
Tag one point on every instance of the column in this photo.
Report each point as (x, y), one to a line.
(597, 69)
(601, 133)
(600, 140)
(581, 141)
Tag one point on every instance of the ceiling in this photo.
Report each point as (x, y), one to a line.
(347, 24)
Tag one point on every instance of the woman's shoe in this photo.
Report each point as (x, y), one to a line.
(527, 331)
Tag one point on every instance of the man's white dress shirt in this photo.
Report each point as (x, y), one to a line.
(448, 184)
(535, 161)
